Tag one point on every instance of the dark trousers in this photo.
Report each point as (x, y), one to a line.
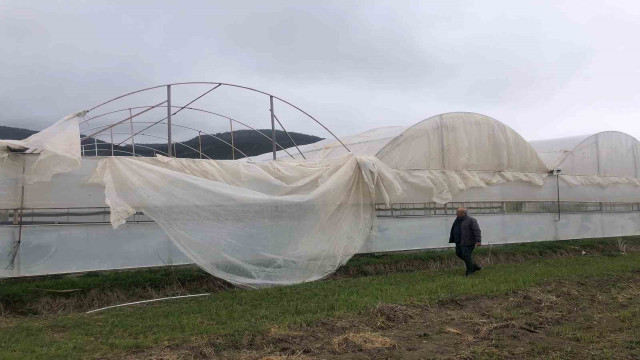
(465, 253)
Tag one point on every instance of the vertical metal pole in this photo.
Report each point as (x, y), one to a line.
(133, 144)
(111, 141)
(200, 144)
(169, 121)
(273, 128)
(95, 144)
(16, 254)
(233, 146)
(175, 153)
(558, 189)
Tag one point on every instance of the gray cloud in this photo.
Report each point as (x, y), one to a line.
(547, 70)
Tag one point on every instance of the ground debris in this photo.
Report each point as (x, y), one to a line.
(486, 330)
(360, 341)
(392, 314)
(535, 323)
(459, 332)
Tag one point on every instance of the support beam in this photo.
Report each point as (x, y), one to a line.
(290, 138)
(122, 121)
(273, 128)
(233, 146)
(15, 252)
(169, 150)
(133, 144)
(181, 108)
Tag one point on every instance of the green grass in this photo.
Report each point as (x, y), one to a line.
(20, 293)
(96, 289)
(378, 264)
(533, 249)
(230, 316)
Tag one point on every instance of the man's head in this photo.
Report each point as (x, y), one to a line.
(461, 212)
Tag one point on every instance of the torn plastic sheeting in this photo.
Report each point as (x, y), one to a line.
(254, 224)
(58, 145)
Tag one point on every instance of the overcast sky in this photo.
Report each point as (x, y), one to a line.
(547, 69)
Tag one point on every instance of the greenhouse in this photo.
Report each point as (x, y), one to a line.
(259, 222)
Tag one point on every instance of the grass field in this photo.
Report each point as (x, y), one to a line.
(238, 323)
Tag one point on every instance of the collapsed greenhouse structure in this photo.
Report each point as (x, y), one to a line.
(260, 222)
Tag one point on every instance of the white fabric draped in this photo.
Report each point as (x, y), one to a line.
(254, 225)
(58, 145)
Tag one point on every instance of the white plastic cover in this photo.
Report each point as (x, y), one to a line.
(605, 154)
(58, 146)
(365, 143)
(254, 224)
(440, 186)
(461, 141)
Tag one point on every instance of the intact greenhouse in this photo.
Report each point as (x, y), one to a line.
(296, 214)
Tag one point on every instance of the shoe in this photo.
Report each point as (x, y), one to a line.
(476, 268)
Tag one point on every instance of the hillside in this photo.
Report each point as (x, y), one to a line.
(12, 133)
(247, 141)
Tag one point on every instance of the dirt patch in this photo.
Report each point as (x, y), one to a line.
(598, 318)
(389, 315)
(352, 342)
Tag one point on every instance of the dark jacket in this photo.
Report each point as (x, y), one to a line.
(470, 232)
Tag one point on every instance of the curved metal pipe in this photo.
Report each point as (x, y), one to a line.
(176, 142)
(224, 84)
(84, 137)
(215, 137)
(200, 131)
(200, 110)
(142, 146)
(114, 150)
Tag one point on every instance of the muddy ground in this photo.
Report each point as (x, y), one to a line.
(594, 319)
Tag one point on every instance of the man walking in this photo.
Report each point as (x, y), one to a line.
(465, 233)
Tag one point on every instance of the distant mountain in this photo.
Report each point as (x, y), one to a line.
(247, 141)
(12, 133)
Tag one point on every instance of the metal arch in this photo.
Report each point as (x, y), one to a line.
(226, 117)
(215, 137)
(114, 150)
(193, 109)
(223, 84)
(129, 118)
(178, 125)
(142, 146)
(186, 127)
(175, 142)
(84, 137)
